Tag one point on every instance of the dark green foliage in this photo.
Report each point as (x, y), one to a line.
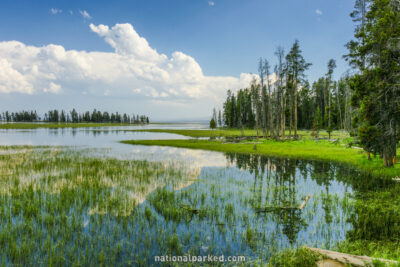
(375, 53)
(377, 216)
(22, 116)
(213, 124)
(368, 134)
(73, 116)
(300, 257)
(238, 110)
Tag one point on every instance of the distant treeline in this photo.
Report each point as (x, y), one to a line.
(73, 117)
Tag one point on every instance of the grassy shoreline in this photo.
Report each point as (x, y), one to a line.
(305, 134)
(302, 149)
(59, 125)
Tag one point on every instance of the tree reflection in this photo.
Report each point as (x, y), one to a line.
(374, 214)
(278, 190)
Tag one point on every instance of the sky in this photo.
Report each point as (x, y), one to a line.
(168, 59)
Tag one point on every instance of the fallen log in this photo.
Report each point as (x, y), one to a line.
(353, 260)
(273, 208)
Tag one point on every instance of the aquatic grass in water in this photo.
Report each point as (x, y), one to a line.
(72, 207)
(61, 207)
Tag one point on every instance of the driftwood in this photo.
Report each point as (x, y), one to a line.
(273, 208)
(349, 259)
(304, 202)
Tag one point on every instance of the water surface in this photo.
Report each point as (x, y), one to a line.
(234, 204)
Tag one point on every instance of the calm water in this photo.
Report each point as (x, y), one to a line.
(106, 142)
(238, 205)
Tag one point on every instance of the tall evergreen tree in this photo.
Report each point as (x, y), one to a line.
(262, 73)
(296, 68)
(279, 69)
(375, 53)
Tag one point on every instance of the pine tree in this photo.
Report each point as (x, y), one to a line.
(213, 124)
(375, 54)
(219, 118)
(296, 67)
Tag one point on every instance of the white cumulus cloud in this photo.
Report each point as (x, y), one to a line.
(211, 3)
(318, 12)
(133, 69)
(53, 88)
(11, 80)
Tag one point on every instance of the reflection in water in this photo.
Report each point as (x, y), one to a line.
(222, 208)
(214, 203)
(289, 179)
(93, 137)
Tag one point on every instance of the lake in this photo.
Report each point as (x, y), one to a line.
(89, 199)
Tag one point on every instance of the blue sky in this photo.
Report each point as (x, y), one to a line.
(225, 38)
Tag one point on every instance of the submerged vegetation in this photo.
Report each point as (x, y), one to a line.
(60, 206)
(110, 211)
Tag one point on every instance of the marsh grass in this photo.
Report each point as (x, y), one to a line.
(63, 207)
(60, 206)
(300, 257)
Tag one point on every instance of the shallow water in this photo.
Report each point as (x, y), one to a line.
(234, 205)
(106, 142)
(97, 137)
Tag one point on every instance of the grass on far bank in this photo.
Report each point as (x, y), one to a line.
(224, 132)
(302, 149)
(58, 125)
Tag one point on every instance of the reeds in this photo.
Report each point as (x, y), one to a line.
(61, 206)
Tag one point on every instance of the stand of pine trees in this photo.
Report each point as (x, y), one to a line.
(73, 117)
(286, 101)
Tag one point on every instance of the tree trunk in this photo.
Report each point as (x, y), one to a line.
(329, 110)
(264, 115)
(388, 156)
(291, 116)
(283, 116)
(270, 122)
(295, 108)
(241, 127)
(277, 114)
(340, 108)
